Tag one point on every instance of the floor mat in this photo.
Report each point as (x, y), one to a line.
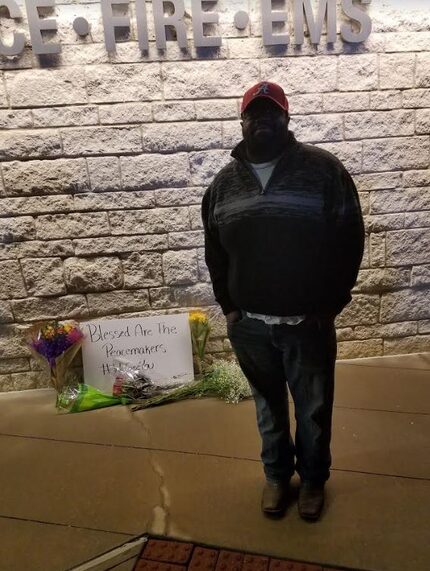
(163, 554)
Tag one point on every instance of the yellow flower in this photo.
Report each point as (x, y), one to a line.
(198, 317)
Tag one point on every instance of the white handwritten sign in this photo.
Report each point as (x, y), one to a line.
(161, 345)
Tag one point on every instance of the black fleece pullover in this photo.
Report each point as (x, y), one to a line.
(293, 248)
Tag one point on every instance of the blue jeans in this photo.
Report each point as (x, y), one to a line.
(302, 356)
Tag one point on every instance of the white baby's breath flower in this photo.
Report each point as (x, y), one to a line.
(230, 382)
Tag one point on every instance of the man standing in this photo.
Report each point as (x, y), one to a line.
(284, 239)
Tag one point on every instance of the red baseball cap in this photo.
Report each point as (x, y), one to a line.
(267, 89)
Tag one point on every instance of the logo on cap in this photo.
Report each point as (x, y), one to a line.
(262, 90)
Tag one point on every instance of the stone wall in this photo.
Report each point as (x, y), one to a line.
(105, 159)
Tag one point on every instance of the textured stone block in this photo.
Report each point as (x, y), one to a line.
(13, 366)
(385, 330)
(206, 164)
(45, 177)
(125, 113)
(424, 326)
(423, 121)
(363, 309)
(416, 344)
(208, 79)
(13, 342)
(6, 315)
(401, 153)
(104, 173)
(155, 220)
(180, 267)
(400, 41)
(384, 222)
(386, 99)
(36, 248)
(120, 244)
(217, 109)
(196, 217)
(3, 95)
(405, 247)
(357, 72)
(175, 137)
(113, 302)
(378, 280)
(375, 124)
(29, 144)
(142, 270)
(416, 98)
(378, 181)
(315, 128)
(399, 200)
(93, 274)
(114, 200)
(16, 229)
(377, 249)
(38, 308)
(357, 349)
(162, 297)
(365, 262)
(43, 276)
(420, 276)
(36, 205)
(417, 219)
(65, 116)
(45, 87)
(194, 296)
(178, 240)
(396, 71)
(101, 140)
(11, 280)
(174, 111)
(416, 178)
(179, 196)
(302, 75)
(306, 103)
(202, 267)
(128, 82)
(337, 102)
(422, 77)
(154, 171)
(30, 380)
(405, 305)
(15, 119)
(73, 225)
(6, 383)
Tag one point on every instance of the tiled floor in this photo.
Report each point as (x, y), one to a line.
(75, 486)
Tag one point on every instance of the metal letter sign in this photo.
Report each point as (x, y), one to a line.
(355, 31)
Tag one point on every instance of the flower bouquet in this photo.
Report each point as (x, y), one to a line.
(55, 344)
(224, 379)
(200, 329)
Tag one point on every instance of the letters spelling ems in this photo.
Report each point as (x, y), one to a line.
(301, 9)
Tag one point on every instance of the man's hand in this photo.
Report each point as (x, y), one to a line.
(233, 316)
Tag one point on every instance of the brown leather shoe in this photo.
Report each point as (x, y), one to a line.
(311, 500)
(275, 498)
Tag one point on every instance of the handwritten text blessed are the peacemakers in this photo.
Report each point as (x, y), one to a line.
(356, 30)
(107, 337)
